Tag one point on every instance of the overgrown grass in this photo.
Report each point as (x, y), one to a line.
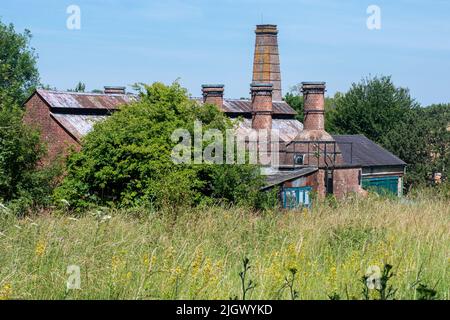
(307, 255)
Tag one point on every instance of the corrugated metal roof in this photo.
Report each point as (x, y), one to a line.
(77, 125)
(244, 106)
(365, 152)
(283, 176)
(287, 128)
(77, 100)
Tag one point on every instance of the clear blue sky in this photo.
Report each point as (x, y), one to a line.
(211, 41)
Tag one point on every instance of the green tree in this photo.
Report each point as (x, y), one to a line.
(80, 87)
(18, 72)
(23, 184)
(372, 107)
(422, 139)
(126, 160)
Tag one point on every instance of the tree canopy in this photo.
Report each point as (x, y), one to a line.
(372, 107)
(126, 159)
(422, 140)
(18, 72)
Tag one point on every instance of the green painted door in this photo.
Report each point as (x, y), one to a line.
(383, 185)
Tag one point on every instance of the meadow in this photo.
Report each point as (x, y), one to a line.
(198, 253)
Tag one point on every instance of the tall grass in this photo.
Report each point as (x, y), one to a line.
(198, 255)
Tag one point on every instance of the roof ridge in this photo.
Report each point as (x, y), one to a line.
(84, 93)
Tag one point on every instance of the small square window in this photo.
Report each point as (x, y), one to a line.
(299, 159)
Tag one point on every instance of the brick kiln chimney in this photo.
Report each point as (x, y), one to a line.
(266, 63)
(314, 105)
(262, 107)
(314, 109)
(213, 94)
(114, 90)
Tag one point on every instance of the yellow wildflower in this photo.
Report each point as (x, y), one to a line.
(116, 262)
(146, 260)
(128, 276)
(40, 248)
(6, 292)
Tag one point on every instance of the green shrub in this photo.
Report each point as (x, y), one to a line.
(126, 160)
(23, 184)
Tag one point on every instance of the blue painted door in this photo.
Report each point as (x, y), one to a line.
(296, 197)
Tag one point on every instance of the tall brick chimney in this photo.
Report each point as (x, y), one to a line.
(114, 90)
(266, 63)
(213, 94)
(314, 105)
(314, 110)
(262, 107)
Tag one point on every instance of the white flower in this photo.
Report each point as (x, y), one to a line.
(373, 278)
(106, 218)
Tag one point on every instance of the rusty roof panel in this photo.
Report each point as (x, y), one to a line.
(245, 106)
(77, 125)
(287, 128)
(284, 176)
(76, 100)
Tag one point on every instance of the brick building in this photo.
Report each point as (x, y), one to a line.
(310, 158)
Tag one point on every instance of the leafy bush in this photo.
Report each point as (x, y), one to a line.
(126, 160)
(18, 72)
(23, 184)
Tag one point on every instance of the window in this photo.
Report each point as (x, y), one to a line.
(299, 159)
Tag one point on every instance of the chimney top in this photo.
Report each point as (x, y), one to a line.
(266, 29)
(261, 85)
(262, 107)
(212, 86)
(314, 86)
(213, 94)
(114, 90)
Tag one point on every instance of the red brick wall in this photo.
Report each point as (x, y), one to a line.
(346, 181)
(58, 141)
(262, 108)
(314, 111)
(213, 95)
(317, 182)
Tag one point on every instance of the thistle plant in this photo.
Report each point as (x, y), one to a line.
(289, 284)
(378, 280)
(249, 285)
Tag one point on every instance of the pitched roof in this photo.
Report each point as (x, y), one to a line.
(357, 149)
(78, 125)
(283, 176)
(288, 129)
(245, 106)
(78, 100)
(78, 112)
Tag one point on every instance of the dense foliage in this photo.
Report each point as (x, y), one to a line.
(23, 184)
(18, 72)
(126, 160)
(422, 139)
(372, 107)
